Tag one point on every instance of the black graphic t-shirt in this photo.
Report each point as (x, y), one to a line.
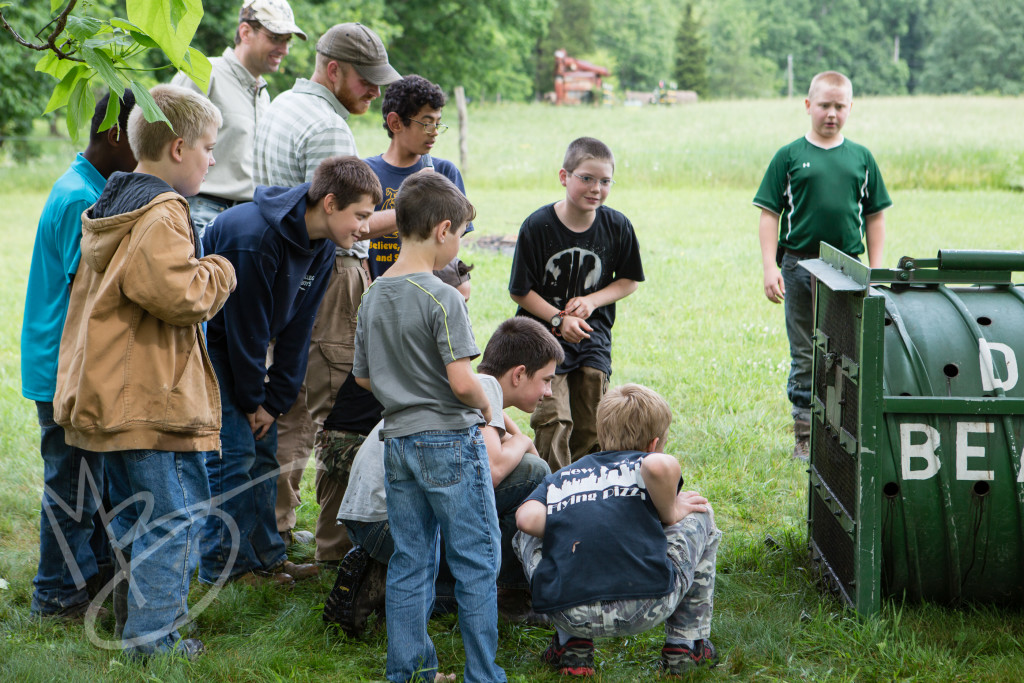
(560, 264)
(603, 539)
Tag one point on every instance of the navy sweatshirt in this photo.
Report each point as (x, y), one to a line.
(282, 277)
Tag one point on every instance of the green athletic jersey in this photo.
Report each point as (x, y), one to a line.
(822, 195)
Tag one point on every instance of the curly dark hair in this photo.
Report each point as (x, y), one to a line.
(408, 95)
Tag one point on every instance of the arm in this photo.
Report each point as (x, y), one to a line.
(875, 231)
(530, 518)
(382, 223)
(466, 386)
(163, 275)
(583, 306)
(768, 233)
(662, 477)
(504, 455)
(573, 328)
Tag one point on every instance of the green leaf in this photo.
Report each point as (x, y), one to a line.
(153, 18)
(178, 11)
(56, 5)
(80, 107)
(110, 117)
(83, 28)
(54, 65)
(144, 40)
(101, 63)
(145, 100)
(62, 93)
(198, 68)
(118, 22)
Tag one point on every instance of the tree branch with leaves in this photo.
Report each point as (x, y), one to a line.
(80, 48)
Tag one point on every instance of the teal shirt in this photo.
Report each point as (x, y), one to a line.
(822, 195)
(55, 259)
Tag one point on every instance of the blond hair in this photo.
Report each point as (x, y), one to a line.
(188, 112)
(630, 417)
(829, 78)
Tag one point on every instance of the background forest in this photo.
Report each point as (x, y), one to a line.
(720, 48)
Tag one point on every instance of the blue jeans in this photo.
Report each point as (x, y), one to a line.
(374, 537)
(158, 498)
(435, 481)
(799, 304)
(67, 558)
(243, 483)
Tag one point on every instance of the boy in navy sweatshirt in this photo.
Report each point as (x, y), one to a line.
(282, 246)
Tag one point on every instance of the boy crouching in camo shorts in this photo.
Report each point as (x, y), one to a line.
(612, 546)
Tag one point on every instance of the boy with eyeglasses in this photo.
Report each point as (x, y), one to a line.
(573, 260)
(412, 111)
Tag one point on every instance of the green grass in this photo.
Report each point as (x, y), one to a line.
(699, 331)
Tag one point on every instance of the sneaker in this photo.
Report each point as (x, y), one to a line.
(358, 591)
(575, 658)
(678, 659)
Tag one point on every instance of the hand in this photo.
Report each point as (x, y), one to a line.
(580, 307)
(774, 287)
(260, 422)
(688, 502)
(574, 329)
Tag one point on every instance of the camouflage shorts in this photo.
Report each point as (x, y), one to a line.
(335, 452)
(686, 610)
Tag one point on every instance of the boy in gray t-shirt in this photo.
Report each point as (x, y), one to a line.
(414, 344)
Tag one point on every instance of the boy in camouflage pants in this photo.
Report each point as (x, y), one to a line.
(612, 546)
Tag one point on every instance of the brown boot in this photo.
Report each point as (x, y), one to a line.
(802, 436)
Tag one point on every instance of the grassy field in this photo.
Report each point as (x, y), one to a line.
(699, 331)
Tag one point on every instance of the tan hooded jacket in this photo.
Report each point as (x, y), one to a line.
(134, 372)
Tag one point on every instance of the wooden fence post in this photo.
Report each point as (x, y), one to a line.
(460, 105)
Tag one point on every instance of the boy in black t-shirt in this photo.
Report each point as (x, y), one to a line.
(574, 259)
(613, 547)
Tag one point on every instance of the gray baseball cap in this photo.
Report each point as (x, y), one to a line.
(362, 48)
(275, 15)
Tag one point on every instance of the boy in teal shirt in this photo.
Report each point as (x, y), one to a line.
(819, 188)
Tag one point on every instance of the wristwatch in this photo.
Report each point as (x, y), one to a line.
(556, 322)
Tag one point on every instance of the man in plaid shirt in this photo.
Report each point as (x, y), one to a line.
(302, 127)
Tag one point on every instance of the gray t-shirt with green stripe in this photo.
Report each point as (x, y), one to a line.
(822, 195)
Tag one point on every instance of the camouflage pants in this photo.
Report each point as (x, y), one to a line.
(685, 610)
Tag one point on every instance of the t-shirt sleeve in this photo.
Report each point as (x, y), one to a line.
(526, 272)
(629, 265)
(770, 193)
(453, 332)
(492, 390)
(876, 197)
(69, 236)
(359, 366)
(540, 493)
(452, 173)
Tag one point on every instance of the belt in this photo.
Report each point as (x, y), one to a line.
(802, 255)
(219, 201)
(348, 261)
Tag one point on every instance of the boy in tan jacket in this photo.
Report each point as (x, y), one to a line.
(134, 380)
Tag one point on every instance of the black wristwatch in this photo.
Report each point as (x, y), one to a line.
(556, 319)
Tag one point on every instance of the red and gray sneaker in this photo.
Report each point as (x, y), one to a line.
(575, 658)
(678, 659)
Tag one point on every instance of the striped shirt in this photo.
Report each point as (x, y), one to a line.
(302, 127)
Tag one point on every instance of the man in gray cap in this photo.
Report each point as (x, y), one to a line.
(302, 127)
(265, 27)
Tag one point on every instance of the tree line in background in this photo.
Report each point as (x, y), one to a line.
(720, 48)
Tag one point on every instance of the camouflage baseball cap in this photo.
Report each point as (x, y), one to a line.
(362, 48)
(275, 15)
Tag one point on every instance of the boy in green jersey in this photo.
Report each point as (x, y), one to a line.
(819, 188)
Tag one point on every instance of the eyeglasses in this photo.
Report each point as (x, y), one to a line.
(431, 127)
(276, 38)
(589, 180)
